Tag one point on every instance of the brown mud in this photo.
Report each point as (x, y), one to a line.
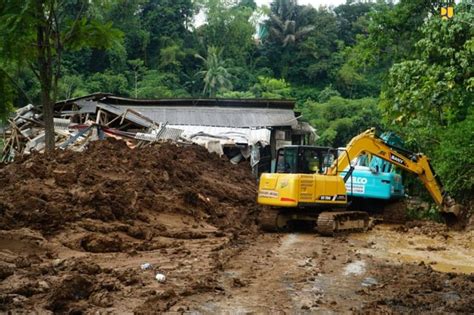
(76, 229)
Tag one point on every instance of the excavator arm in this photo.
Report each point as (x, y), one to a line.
(419, 164)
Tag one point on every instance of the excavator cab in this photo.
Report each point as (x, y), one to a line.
(304, 159)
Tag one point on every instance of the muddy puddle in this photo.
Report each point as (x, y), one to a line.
(448, 251)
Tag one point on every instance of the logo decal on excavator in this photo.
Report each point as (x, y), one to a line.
(268, 194)
(397, 159)
(335, 197)
(327, 198)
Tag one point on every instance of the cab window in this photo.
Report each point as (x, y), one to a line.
(287, 160)
(328, 158)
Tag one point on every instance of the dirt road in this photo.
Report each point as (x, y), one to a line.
(306, 273)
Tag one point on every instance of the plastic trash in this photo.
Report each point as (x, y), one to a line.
(160, 277)
(146, 266)
(369, 281)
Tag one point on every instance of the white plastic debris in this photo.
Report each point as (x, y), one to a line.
(146, 266)
(160, 277)
(355, 268)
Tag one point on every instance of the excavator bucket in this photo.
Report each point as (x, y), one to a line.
(452, 212)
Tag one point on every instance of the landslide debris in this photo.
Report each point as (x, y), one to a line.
(410, 289)
(110, 182)
(76, 227)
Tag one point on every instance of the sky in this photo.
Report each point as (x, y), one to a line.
(314, 3)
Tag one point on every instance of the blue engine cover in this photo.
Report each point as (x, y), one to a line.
(366, 184)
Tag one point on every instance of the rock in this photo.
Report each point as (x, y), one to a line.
(57, 262)
(43, 286)
(5, 271)
(237, 283)
(305, 307)
(102, 299)
(22, 262)
(178, 308)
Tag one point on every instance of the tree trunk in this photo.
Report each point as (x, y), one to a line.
(48, 119)
(45, 76)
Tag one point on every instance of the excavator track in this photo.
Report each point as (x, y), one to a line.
(331, 223)
(272, 220)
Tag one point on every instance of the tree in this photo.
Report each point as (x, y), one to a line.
(337, 119)
(216, 76)
(164, 19)
(288, 24)
(271, 88)
(429, 98)
(228, 26)
(37, 32)
(312, 56)
(436, 87)
(285, 22)
(388, 35)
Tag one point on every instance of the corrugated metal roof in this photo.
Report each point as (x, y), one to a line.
(217, 116)
(201, 102)
(129, 116)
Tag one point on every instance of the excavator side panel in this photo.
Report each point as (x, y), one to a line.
(293, 190)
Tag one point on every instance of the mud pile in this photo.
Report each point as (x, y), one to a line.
(419, 227)
(75, 228)
(406, 288)
(110, 182)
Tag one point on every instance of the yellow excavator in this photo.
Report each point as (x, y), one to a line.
(306, 185)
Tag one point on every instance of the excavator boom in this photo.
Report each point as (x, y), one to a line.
(419, 164)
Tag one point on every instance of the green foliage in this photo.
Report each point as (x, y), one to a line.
(108, 82)
(160, 85)
(387, 35)
(429, 98)
(236, 94)
(338, 120)
(271, 88)
(432, 213)
(228, 27)
(327, 93)
(7, 94)
(215, 74)
(160, 19)
(436, 87)
(72, 86)
(454, 158)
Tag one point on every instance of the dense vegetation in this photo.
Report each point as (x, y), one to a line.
(398, 67)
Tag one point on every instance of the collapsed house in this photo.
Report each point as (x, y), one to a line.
(241, 129)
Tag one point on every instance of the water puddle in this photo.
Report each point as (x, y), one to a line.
(451, 252)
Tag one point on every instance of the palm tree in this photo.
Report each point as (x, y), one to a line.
(285, 20)
(216, 76)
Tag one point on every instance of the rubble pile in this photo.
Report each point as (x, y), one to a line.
(77, 226)
(74, 130)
